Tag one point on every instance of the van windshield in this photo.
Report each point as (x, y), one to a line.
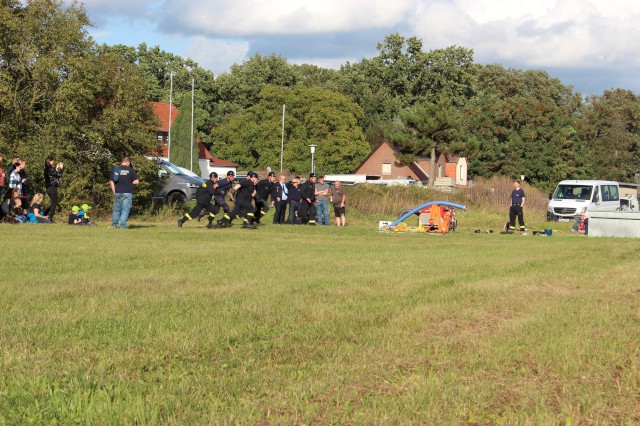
(573, 192)
(173, 169)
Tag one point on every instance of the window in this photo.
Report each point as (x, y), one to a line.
(386, 169)
(609, 193)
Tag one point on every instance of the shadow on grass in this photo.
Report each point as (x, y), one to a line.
(141, 226)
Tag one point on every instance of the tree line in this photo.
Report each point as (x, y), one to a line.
(63, 94)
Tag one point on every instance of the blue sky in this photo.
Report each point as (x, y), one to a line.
(589, 44)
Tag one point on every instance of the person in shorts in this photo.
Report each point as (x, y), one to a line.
(338, 199)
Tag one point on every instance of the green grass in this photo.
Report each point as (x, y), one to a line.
(317, 325)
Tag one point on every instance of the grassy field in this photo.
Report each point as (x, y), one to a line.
(303, 325)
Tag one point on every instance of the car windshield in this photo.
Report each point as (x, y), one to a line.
(173, 169)
(573, 192)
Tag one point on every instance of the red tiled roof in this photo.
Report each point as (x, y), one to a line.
(161, 110)
(203, 152)
(214, 161)
(161, 151)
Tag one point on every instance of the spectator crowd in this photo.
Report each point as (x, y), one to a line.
(294, 202)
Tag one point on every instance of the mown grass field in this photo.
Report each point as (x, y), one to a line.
(302, 325)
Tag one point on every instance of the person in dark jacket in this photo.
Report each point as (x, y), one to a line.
(52, 175)
(204, 193)
(295, 198)
(280, 199)
(308, 212)
(245, 192)
(264, 189)
(219, 201)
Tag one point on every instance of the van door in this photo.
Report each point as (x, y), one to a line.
(609, 198)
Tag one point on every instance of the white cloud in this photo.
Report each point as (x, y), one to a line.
(330, 63)
(250, 17)
(217, 55)
(541, 33)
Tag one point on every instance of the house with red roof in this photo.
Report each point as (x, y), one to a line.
(380, 164)
(207, 162)
(161, 110)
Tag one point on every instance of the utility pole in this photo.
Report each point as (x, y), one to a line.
(282, 142)
(193, 85)
(170, 111)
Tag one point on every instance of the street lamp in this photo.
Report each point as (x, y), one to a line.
(313, 151)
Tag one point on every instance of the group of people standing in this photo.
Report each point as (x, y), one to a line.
(15, 206)
(307, 203)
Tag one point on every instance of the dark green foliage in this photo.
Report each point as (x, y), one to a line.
(611, 128)
(329, 120)
(525, 125)
(60, 97)
(429, 129)
(181, 150)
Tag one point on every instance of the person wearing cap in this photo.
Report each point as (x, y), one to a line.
(74, 219)
(245, 192)
(322, 201)
(219, 201)
(122, 181)
(279, 197)
(264, 189)
(295, 199)
(308, 212)
(204, 193)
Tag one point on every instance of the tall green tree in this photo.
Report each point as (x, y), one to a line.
(428, 129)
(181, 148)
(313, 116)
(611, 128)
(403, 74)
(59, 96)
(525, 124)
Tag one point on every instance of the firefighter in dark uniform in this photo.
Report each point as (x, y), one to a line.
(518, 199)
(219, 195)
(204, 193)
(308, 211)
(245, 191)
(264, 188)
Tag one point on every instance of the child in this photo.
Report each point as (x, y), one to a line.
(84, 214)
(16, 214)
(74, 219)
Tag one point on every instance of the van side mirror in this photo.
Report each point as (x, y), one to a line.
(550, 195)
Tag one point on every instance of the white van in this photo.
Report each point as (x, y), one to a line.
(572, 197)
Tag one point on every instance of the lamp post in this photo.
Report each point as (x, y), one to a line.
(313, 151)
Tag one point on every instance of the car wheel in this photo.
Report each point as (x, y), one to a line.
(176, 198)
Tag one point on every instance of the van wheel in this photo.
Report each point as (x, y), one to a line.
(176, 198)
